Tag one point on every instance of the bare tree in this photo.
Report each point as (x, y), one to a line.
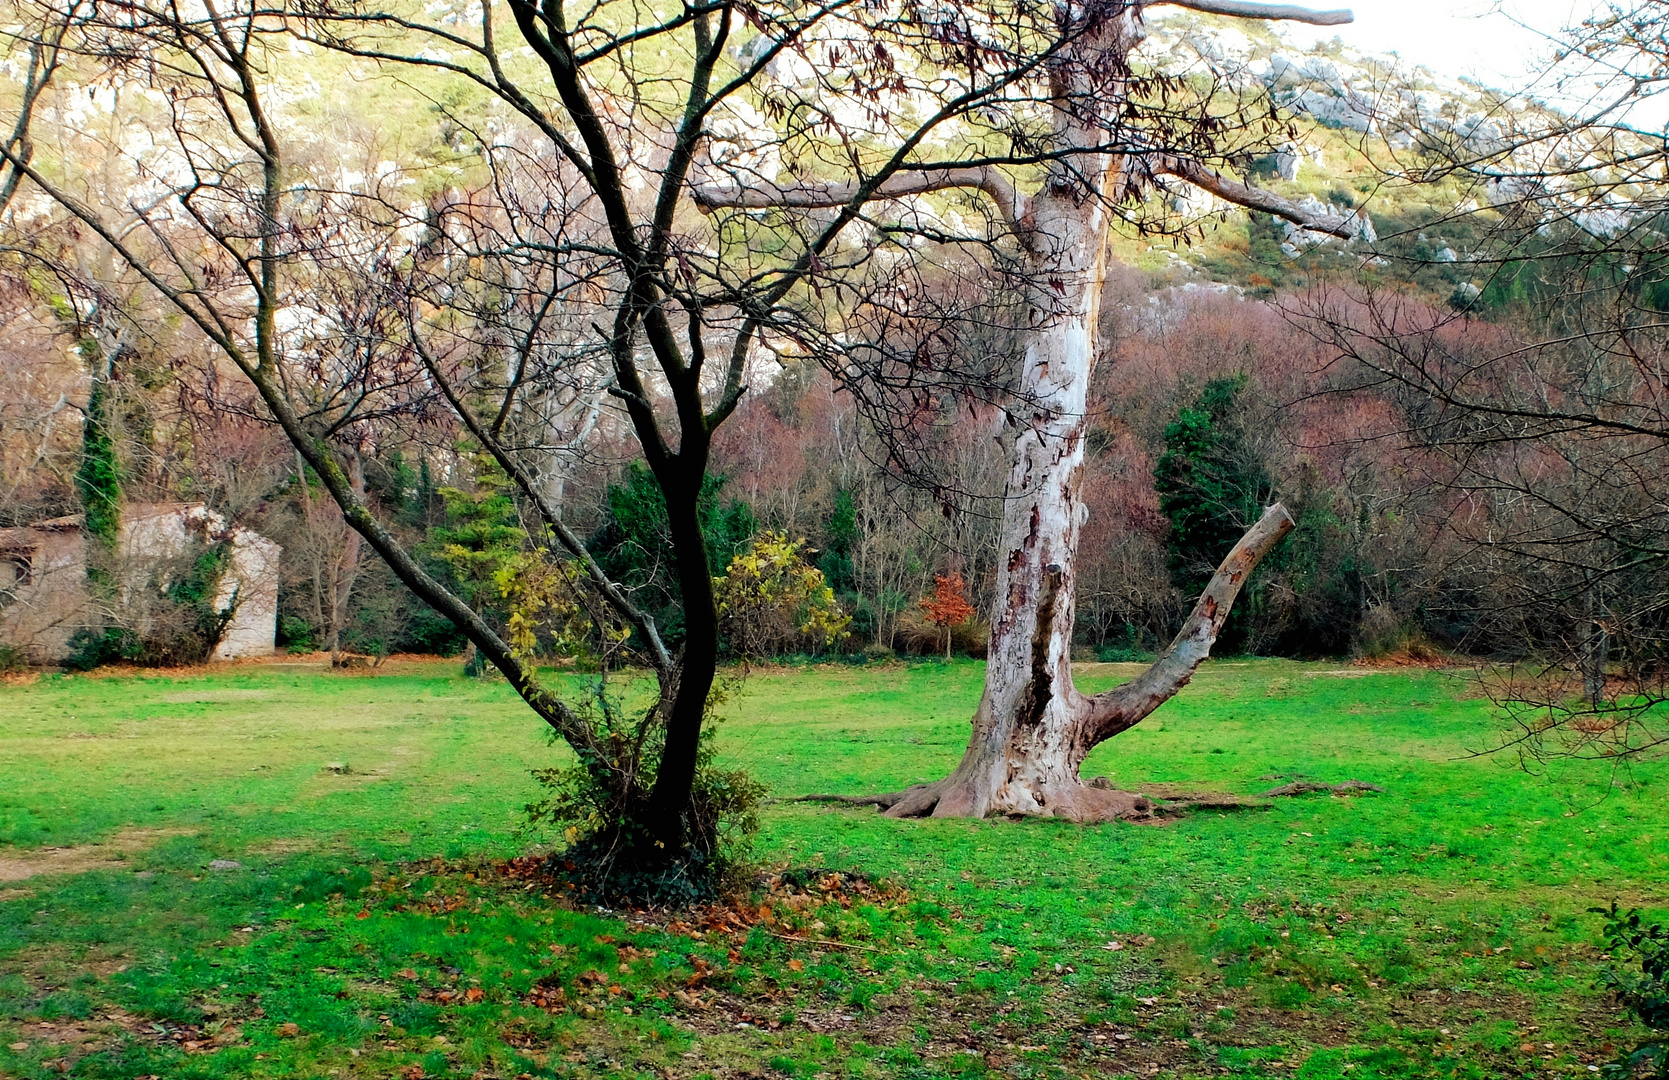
(1542, 388)
(324, 299)
(1095, 133)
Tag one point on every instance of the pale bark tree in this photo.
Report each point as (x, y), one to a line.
(1033, 728)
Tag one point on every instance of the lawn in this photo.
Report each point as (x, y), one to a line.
(275, 870)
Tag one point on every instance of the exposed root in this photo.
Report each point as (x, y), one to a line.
(1086, 804)
(881, 801)
(915, 801)
(1097, 801)
(912, 802)
(1307, 787)
(918, 801)
(1179, 803)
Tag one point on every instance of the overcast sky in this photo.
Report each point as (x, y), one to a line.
(1491, 41)
(1500, 43)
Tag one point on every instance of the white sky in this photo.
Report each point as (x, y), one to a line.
(1494, 42)
(1500, 43)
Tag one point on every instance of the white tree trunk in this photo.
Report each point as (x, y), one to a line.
(1033, 728)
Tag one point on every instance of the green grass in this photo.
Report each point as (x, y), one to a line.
(1439, 929)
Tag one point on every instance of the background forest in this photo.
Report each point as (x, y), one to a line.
(1231, 375)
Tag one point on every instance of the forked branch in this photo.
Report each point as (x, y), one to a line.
(1345, 227)
(1124, 706)
(1104, 715)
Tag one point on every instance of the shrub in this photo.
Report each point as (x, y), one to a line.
(1644, 993)
(772, 601)
(297, 635)
(610, 855)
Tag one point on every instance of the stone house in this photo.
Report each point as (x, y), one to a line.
(43, 577)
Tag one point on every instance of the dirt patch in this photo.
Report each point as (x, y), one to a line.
(22, 866)
(284, 845)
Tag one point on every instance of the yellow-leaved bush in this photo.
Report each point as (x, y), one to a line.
(542, 595)
(772, 601)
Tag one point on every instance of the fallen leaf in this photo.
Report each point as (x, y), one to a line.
(20, 1046)
(408, 973)
(474, 993)
(288, 1031)
(364, 913)
(793, 965)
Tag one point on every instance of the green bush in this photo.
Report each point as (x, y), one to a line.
(297, 635)
(1643, 992)
(610, 854)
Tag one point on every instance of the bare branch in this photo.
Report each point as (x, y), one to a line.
(1345, 227)
(1243, 9)
(769, 196)
(1126, 705)
(611, 592)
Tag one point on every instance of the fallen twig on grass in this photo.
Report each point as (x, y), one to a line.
(820, 941)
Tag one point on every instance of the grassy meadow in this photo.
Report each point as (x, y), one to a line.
(371, 928)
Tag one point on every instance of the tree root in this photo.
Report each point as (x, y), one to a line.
(1153, 804)
(917, 800)
(1176, 804)
(881, 801)
(1307, 787)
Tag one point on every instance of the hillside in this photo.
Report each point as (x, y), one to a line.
(1358, 122)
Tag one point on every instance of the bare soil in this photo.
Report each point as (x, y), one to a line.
(23, 865)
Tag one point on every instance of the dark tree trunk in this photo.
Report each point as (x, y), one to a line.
(669, 802)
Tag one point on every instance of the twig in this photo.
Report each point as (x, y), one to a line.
(816, 941)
